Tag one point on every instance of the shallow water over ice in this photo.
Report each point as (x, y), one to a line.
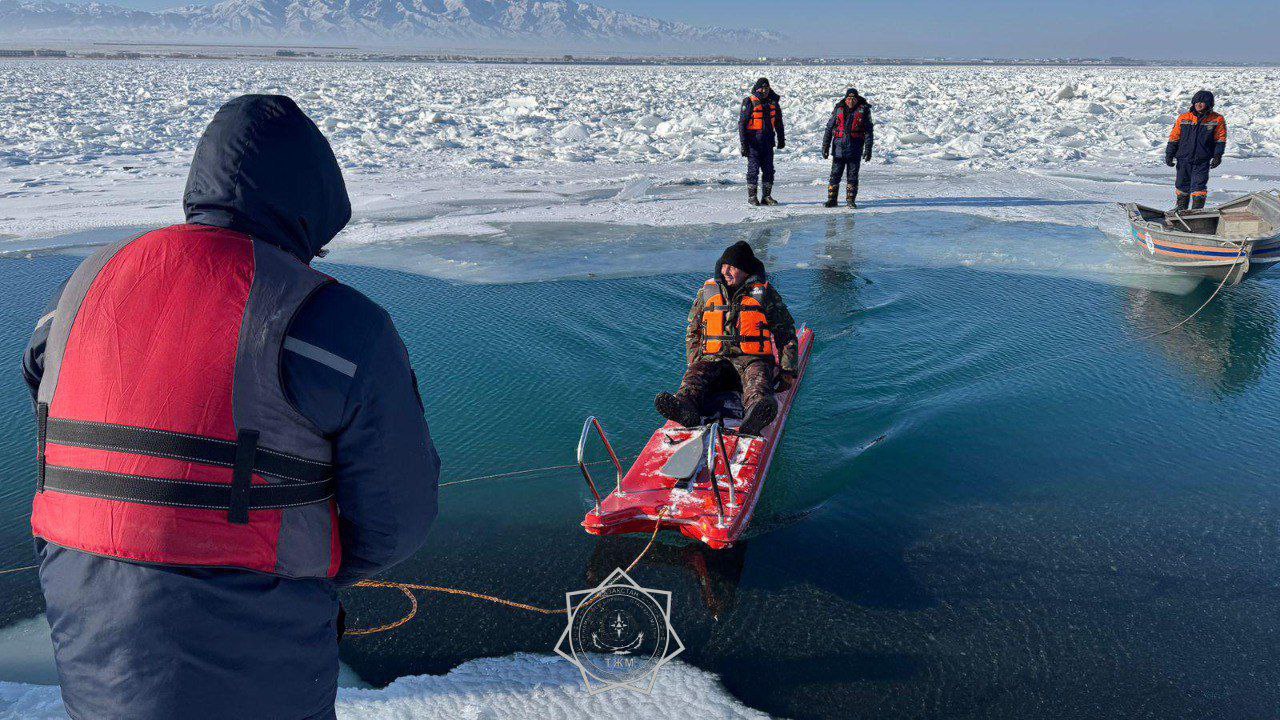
(940, 535)
(525, 252)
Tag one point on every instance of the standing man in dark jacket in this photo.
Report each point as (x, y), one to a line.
(848, 142)
(736, 319)
(226, 436)
(1197, 142)
(760, 129)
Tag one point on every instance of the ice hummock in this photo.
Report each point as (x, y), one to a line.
(457, 149)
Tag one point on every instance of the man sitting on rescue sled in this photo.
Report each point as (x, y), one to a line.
(735, 321)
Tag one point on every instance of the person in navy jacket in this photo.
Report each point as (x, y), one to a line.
(848, 141)
(760, 129)
(151, 636)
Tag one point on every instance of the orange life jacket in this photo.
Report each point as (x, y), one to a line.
(756, 123)
(751, 336)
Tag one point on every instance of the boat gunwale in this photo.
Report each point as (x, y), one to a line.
(1136, 220)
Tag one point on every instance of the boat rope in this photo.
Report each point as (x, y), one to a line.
(1141, 338)
(408, 590)
(526, 471)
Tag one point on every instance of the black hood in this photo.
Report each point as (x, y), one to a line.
(264, 169)
(761, 83)
(1205, 97)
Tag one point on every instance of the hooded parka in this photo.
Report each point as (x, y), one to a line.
(226, 436)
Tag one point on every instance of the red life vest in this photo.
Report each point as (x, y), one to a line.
(164, 432)
(758, 109)
(856, 122)
(751, 336)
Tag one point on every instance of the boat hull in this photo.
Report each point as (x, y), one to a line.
(646, 497)
(1225, 259)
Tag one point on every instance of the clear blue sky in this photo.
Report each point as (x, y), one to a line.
(1191, 29)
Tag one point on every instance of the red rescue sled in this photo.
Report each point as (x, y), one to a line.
(671, 478)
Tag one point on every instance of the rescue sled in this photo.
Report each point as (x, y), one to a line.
(704, 481)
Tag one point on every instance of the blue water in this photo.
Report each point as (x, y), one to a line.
(941, 534)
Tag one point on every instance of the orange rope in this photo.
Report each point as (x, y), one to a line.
(408, 588)
(413, 610)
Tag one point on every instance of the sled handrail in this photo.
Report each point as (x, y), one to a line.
(714, 440)
(582, 463)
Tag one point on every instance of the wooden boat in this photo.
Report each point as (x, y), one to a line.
(1226, 243)
(704, 482)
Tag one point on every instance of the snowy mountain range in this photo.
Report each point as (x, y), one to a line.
(562, 24)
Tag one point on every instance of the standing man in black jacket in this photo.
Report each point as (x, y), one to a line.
(848, 142)
(760, 129)
(1196, 145)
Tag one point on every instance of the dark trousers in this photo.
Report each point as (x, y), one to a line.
(1193, 177)
(845, 166)
(707, 376)
(760, 162)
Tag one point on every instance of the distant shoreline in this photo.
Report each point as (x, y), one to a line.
(349, 53)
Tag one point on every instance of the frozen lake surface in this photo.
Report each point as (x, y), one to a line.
(941, 535)
(949, 528)
(453, 149)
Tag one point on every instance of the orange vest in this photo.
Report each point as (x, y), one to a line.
(751, 336)
(756, 123)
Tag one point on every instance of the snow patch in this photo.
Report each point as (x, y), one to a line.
(520, 686)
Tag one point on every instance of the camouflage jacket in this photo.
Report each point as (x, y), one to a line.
(781, 324)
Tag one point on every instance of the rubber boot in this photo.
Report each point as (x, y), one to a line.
(851, 197)
(677, 409)
(751, 195)
(1197, 202)
(758, 416)
(1182, 203)
(833, 191)
(767, 197)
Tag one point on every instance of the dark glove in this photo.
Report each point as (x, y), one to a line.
(745, 153)
(782, 144)
(866, 155)
(1168, 160)
(786, 379)
(1215, 162)
(826, 154)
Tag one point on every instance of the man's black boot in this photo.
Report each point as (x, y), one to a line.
(833, 191)
(851, 196)
(758, 416)
(767, 197)
(751, 195)
(677, 410)
(1197, 202)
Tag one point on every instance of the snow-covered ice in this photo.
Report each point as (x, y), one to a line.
(454, 150)
(517, 686)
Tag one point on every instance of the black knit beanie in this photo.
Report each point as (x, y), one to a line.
(741, 256)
